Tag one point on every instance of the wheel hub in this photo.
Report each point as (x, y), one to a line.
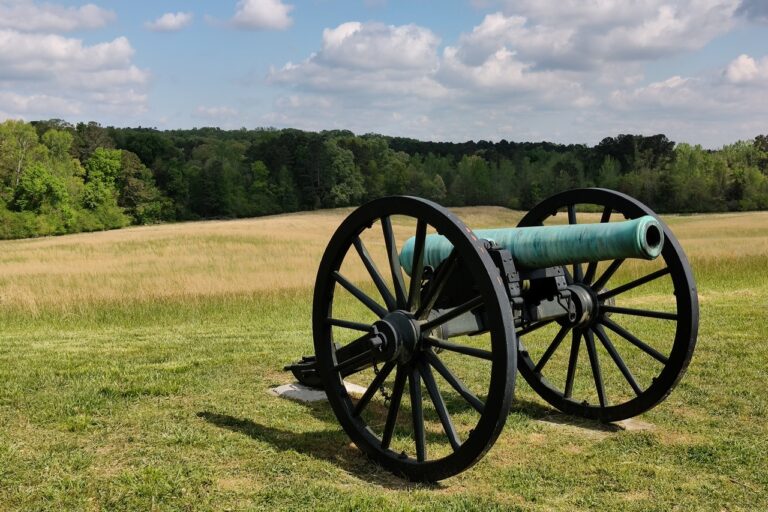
(586, 302)
(397, 336)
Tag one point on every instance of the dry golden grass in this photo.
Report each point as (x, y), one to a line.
(253, 256)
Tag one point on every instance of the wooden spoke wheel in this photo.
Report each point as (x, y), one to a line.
(637, 345)
(431, 407)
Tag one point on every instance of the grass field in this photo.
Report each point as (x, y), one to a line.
(135, 364)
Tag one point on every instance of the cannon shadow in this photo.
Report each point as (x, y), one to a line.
(331, 445)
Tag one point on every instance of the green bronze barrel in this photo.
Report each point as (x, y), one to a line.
(548, 246)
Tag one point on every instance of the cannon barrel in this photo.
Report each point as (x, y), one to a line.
(548, 246)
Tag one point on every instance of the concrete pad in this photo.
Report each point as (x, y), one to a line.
(635, 425)
(302, 393)
(593, 428)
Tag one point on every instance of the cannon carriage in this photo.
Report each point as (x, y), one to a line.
(434, 320)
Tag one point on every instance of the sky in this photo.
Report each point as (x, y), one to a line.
(567, 71)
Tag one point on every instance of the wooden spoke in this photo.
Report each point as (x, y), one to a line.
(606, 216)
(394, 261)
(454, 381)
(360, 295)
(533, 327)
(639, 312)
(461, 349)
(439, 403)
(389, 300)
(634, 340)
(633, 284)
(414, 389)
(355, 326)
(394, 407)
(571, 214)
(452, 313)
(617, 359)
(551, 348)
(373, 387)
(417, 267)
(442, 277)
(572, 361)
(603, 279)
(578, 275)
(594, 362)
(592, 267)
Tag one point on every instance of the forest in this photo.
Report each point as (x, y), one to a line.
(57, 177)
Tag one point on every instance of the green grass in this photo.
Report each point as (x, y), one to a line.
(155, 397)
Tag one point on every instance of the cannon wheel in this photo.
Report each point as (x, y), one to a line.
(679, 307)
(443, 450)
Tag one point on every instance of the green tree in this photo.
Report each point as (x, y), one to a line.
(286, 193)
(137, 193)
(18, 142)
(88, 138)
(346, 181)
(39, 190)
(262, 192)
(58, 143)
(436, 190)
(100, 192)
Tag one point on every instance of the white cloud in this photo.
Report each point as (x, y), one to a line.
(697, 98)
(30, 105)
(717, 95)
(170, 22)
(671, 29)
(355, 45)
(262, 14)
(673, 93)
(61, 75)
(377, 63)
(130, 76)
(128, 101)
(746, 70)
(704, 110)
(297, 101)
(56, 57)
(587, 34)
(539, 44)
(217, 112)
(393, 79)
(29, 16)
(568, 70)
(366, 60)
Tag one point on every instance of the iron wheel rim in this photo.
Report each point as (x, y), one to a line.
(686, 303)
(503, 367)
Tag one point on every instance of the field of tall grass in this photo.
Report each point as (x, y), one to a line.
(135, 365)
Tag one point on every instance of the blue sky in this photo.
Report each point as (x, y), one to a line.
(571, 71)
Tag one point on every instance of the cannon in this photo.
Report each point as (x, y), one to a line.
(590, 298)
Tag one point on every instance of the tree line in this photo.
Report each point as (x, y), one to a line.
(56, 177)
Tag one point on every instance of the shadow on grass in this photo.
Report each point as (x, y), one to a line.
(537, 411)
(331, 445)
